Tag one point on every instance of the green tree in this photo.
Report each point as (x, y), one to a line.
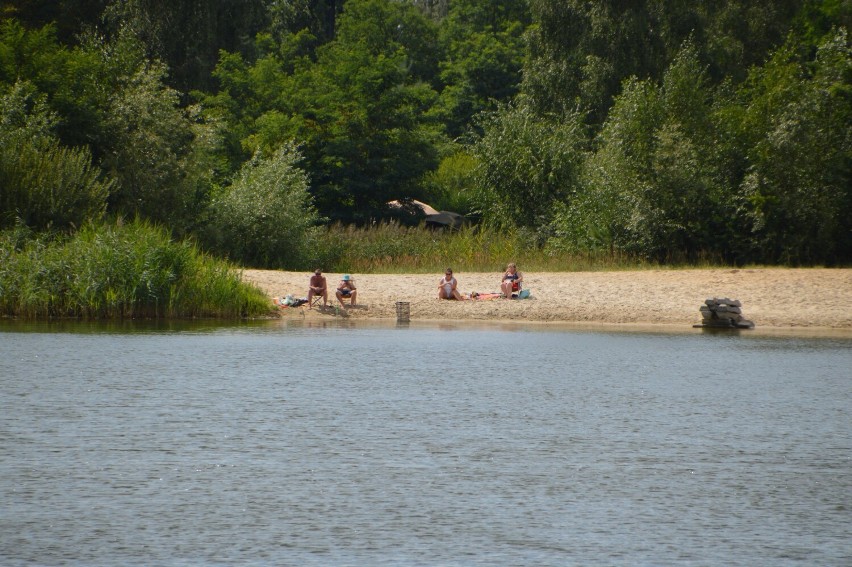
(360, 109)
(391, 29)
(451, 186)
(435, 9)
(72, 79)
(735, 35)
(317, 17)
(113, 104)
(43, 184)
(651, 187)
(484, 48)
(266, 217)
(187, 35)
(581, 52)
(526, 164)
(795, 129)
(149, 150)
(71, 17)
(608, 212)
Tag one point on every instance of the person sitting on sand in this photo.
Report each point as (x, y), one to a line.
(317, 286)
(511, 283)
(346, 289)
(447, 286)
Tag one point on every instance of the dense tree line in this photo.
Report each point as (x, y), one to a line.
(661, 128)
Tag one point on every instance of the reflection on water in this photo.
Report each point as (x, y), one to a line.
(349, 444)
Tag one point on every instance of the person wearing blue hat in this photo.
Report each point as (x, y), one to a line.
(346, 290)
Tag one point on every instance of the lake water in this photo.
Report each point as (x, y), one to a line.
(284, 444)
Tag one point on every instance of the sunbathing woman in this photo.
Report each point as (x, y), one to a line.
(511, 283)
(447, 286)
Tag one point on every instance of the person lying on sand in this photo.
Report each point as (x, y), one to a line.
(447, 287)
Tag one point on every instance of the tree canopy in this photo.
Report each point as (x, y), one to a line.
(661, 128)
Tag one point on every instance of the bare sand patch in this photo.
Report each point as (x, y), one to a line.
(771, 297)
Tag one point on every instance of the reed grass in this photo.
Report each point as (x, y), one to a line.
(393, 248)
(120, 271)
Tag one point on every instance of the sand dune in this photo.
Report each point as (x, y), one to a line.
(772, 297)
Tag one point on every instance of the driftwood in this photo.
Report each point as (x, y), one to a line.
(723, 313)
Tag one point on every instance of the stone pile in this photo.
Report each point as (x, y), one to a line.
(723, 313)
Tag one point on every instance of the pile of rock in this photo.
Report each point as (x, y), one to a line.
(723, 313)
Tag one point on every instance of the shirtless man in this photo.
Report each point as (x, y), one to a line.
(317, 286)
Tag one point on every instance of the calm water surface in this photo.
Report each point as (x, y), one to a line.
(269, 444)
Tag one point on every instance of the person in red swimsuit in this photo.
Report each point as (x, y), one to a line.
(511, 282)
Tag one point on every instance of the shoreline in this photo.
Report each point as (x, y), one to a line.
(806, 300)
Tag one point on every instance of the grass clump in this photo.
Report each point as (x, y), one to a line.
(394, 248)
(131, 270)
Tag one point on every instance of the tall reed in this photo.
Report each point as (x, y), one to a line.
(392, 248)
(131, 270)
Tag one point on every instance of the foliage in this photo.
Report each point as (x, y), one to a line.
(359, 109)
(581, 52)
(119, 271)
(483, 43)
(526, 164)
(71, 17)
(392, 248)
(43, 184)
(151, 150)
(795, 125)
(651, 187)
(316, 17)
(112, 103)
(658, 129)
(762, 176)
(265, 217)
(187, 35)
(450, 186)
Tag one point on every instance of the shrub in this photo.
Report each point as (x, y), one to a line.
(129, 270)
(526, 164)
(43, 184)
(265, 217)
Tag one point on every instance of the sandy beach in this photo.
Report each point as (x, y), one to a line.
(773, 298)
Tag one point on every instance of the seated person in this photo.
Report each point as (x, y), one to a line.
(447, 287)
(346, 289)
(317, 286)
(511, 282)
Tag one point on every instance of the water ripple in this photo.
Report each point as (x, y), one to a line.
(350, 446)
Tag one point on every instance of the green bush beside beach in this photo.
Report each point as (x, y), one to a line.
(120, 270)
